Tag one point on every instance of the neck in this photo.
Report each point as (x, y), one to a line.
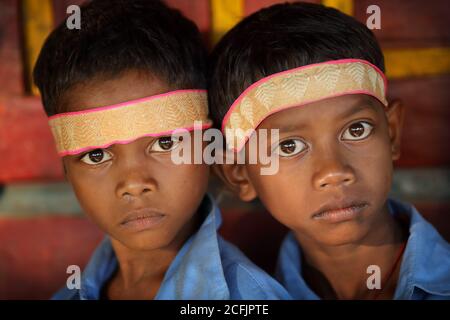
(341, 271)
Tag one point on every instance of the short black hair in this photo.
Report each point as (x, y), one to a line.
(282, 37)
(117, 36)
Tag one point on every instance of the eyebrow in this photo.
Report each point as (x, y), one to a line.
(359, 105)
(291, 127)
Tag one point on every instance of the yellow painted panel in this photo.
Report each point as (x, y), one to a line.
(37, 24)
(402, 63)
(225, 14)
(345, 6)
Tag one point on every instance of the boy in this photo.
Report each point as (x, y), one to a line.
(317, 76)
(115, 91)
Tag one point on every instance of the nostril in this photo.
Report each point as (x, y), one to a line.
(127, 197)
(348, 180)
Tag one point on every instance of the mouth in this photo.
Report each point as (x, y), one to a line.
(142, 219)
(336, 212)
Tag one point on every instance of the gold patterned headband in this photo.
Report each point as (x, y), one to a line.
(79, 131)
(298, 87)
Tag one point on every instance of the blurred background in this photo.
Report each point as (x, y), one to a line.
(42, 228)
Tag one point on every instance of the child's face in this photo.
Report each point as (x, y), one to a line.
(334, 154)
(120, 185)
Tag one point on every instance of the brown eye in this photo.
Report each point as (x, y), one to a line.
(166, 143)
(96, 156)
(357, 131)
(290, 147)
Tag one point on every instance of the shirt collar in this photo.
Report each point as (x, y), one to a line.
(289, 270)
(195, 273)
(426, 260)
(100, 268)
(425, 263)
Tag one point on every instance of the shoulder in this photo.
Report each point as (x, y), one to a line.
(246, 280)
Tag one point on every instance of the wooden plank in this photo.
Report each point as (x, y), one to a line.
(37, 19)
(38, 252)
(225, 14)
(38, 199)
(411, 23)
(426, 130)
(11, 73)
(26, 144)
(417, 62)
(430, 185)
(437, 214)
(198, 11)
(345, 6)
(252, 6)
(60, 9)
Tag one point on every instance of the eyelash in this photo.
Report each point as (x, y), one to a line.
(174, 139)
(86, 155)
(105, 152)
(297, 141)
(367, 126)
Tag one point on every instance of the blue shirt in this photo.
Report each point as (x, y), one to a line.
(206, 267)
(424, 272)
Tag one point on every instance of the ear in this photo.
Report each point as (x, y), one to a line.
(235, 177)
(395, 115)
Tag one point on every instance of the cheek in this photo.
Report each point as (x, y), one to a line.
(185, 184)
(89, 189)
(374, 172)
(374, 167)
(379, 176)
(283, 194)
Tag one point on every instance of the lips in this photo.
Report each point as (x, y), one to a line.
(340, 211)
(143, 218)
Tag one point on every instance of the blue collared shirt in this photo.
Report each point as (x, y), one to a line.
(206, 267)
(424, 272)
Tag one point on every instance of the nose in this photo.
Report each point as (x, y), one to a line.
(332, 172)
(134, 183)
(135, 188)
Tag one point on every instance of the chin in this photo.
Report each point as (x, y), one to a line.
(343, 235)
(142, 242)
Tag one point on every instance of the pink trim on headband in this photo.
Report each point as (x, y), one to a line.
(247, 137)
(265, 79)
(122, 104)
(78, 151)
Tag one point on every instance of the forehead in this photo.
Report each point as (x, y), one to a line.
(100, 91)
(331, 109)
